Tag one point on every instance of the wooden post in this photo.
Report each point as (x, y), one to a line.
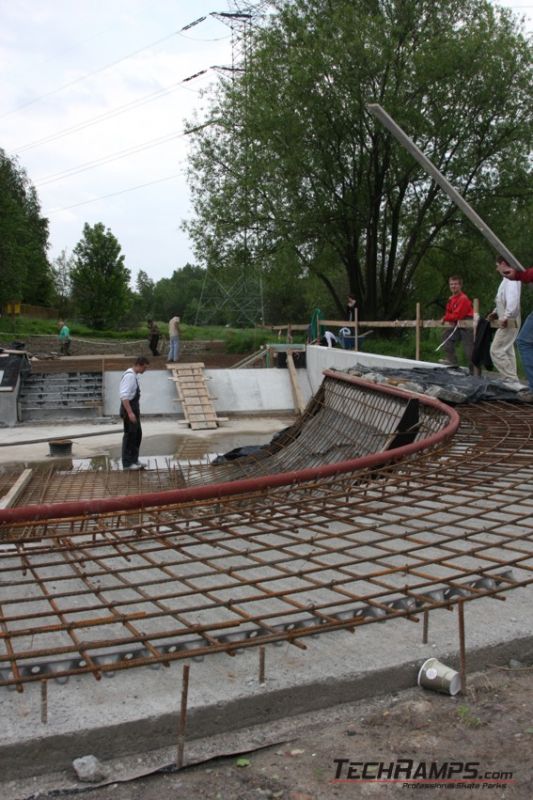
(417, 332)
(299, 402)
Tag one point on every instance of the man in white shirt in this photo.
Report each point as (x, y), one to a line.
(174, 338)
(507, 312)
(130, 412)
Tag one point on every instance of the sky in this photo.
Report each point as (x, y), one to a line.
(94, 103)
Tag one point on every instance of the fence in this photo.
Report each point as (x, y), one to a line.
(27, 310)
(418, 324)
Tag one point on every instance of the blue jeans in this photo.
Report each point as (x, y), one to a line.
(524, 342)
(174, 349)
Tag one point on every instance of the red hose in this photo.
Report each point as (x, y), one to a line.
(80, 508)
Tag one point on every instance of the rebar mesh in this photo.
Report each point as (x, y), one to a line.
(106, 592)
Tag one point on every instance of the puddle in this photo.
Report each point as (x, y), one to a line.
(178, 448)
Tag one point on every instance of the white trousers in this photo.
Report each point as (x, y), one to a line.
(502, 352)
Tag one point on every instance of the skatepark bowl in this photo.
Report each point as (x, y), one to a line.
(375, 505)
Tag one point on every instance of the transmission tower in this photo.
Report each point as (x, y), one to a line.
(241, 291)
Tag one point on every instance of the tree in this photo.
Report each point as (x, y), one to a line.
(24, 267)
(291, 158)
(145, 290)
(99, 278)
(179, 294)
(62, 277)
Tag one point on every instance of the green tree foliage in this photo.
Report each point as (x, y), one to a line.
(145, 292)
(179, 294)
(61, 275)
(24, 267)
(292, 164)
(100, 279)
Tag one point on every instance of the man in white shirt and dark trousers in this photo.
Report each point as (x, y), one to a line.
(130, 394)
(174, 339)
(507, 309)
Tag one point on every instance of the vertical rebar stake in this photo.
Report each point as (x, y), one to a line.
(262, 664)
(462, 653)
(183, 715)
(44, 702)
(425, 629)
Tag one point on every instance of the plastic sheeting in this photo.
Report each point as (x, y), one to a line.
(452, 385)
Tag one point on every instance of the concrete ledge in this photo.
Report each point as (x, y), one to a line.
(321, 358)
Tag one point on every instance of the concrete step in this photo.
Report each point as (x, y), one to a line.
(48, 396)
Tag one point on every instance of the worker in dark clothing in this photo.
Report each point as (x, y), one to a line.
(130, 412)
(154, 334)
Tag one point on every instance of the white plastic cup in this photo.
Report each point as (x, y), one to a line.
(439, 677)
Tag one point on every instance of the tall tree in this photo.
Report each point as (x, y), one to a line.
(179, 294)
(62, 277)
(24, 267)
(291, 158)
(99, 278)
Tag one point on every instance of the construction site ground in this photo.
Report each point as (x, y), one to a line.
(298, 758)
(89, 363)
(347, 695)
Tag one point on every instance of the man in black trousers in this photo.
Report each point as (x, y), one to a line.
(130, 411)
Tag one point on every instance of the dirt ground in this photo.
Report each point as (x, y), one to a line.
(480, 745)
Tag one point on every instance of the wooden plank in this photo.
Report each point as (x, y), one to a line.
(22, 481)
(299, 402)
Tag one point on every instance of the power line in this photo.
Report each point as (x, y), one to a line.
(88, 75)
(68, 173)
(101, 69)
(114, 194)
(109, 114)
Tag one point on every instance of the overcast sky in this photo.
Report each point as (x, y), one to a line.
(69, 68)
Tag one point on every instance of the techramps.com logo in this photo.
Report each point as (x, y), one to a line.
(411, 774)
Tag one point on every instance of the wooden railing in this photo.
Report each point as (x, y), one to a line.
(418, 324)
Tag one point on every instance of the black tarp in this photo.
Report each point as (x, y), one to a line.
(451, 385)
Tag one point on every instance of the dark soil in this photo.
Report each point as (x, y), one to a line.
(210, 359)
(492, 727)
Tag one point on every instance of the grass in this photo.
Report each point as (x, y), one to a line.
(237, 340)
(468, 719)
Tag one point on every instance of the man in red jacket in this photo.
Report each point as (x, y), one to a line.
(458, 307)
(524, 341)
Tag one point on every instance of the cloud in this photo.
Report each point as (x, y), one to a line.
(53, 57)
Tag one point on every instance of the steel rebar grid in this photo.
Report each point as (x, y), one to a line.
(346, 420)
(109, 592)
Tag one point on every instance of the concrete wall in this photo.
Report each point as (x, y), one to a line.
(241, 391)
(8, 393)
(321, 358)
(8, 405)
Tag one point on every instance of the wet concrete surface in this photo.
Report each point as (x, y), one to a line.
(162, 438)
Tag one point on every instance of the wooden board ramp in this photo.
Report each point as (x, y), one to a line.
(191, 388)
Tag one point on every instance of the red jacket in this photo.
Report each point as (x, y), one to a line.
(525, 277)
(459, 306)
